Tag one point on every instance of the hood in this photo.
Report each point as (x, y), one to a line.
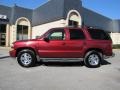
(25, 40)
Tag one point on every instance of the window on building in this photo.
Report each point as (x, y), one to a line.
(2, 34)
(22, 32)
(2, 28)
(76, 34)
(73, 23)
(73, 19)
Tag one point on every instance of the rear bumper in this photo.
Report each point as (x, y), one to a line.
(12, 53)
(106, 57)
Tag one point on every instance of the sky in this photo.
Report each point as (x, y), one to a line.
(109, 8)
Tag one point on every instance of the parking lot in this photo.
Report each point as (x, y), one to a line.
(62, 76)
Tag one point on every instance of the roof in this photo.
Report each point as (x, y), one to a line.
(94, 19)
(54, 10)
(15, 12)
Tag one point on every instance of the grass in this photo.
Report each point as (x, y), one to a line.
(116, 46)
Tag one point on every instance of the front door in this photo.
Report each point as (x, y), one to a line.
(55, 47)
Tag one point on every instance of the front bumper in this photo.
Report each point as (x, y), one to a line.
(12, 53)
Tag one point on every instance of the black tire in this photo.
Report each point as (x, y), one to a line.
(93, 59)
(26, 58)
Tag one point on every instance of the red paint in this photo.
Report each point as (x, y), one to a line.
(64, 48)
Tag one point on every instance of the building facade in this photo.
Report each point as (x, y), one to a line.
(18, 23)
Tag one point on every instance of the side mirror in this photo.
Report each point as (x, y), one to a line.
(46, 39)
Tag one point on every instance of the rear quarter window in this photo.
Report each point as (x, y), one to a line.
(99, 34)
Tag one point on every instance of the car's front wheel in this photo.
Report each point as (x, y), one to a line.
(93, 59)
(26, 58)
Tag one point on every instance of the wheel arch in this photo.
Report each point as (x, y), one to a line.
(94, 49)
(23, 48)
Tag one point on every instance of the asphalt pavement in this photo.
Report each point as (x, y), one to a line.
(4, 52)
(60, 76)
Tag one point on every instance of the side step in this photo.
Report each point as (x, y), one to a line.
(61, 59)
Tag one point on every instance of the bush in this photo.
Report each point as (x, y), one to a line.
(117, 46)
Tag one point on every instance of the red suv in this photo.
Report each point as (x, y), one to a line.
(65, 44)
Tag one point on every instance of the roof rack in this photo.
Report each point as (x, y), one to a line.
(94, 27)
(75, 26)
(80, 26)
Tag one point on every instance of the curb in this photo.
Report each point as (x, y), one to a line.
(4, 57)
(5, 48)
(4, 52)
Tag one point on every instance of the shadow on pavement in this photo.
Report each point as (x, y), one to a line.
(61, 64)
(67, 64)
(104, 62)
(4, 57)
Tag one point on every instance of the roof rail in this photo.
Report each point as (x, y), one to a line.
(94, 27)
(75, 26)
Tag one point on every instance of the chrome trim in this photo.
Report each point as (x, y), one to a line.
(93, 59)
(26, 58)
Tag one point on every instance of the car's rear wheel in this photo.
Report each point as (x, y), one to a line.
(26, 58)
(93, 59)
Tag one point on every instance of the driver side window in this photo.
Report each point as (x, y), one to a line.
(57, 35)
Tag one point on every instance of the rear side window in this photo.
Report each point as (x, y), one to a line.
(99, 34)
(76, 34)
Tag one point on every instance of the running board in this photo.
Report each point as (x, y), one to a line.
(61, 59)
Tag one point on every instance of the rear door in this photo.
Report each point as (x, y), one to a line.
(76, 43)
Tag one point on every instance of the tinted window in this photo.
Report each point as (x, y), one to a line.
(76, 34)
(99, 34)
(57, 35)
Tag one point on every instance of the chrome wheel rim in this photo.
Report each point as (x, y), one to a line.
(93, 59)
(26, 59)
